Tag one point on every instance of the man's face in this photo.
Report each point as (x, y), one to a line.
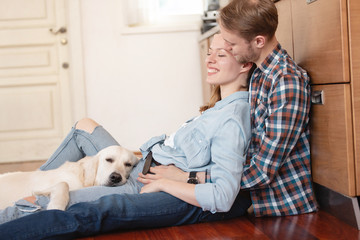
(243, 50)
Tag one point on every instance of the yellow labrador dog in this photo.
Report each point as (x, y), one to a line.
(110, 167)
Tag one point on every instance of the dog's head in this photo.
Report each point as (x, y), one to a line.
(114, 166)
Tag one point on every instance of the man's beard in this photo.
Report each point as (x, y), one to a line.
(250, 56)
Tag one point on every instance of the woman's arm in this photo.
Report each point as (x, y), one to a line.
(181, 190)
(228, 155)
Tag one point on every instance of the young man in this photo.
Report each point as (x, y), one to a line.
(278, 170)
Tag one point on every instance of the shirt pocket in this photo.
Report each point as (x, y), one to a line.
(196, 149)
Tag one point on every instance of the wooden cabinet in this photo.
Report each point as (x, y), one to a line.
(326, 39)
(321, 39)
(354, 50)
(284, 29)
(332, 151)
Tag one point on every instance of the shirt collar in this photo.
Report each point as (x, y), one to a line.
(271, 60)
(233, 97)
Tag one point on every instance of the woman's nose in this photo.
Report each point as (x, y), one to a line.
(210, 58)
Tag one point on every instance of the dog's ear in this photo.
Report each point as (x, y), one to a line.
(135, 159)
(89, 166)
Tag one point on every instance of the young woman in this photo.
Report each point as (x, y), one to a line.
(216, 142)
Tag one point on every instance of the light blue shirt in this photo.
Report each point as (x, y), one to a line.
(217, 140)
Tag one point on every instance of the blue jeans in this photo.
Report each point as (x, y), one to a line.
(76, 145)
(112, 211)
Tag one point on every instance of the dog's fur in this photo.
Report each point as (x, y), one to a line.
(110, 167)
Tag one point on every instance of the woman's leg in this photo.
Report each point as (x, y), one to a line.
(24, 208)
(86, 138)
(114, 212)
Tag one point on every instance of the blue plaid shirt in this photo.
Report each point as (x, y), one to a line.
(277, 170)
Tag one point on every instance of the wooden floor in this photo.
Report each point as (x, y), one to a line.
(320, 225)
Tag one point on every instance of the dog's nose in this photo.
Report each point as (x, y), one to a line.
(115, 177)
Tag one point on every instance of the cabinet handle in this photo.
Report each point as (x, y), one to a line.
(317, 97)
(310, 1)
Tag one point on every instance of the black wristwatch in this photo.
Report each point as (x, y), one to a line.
(192, 178)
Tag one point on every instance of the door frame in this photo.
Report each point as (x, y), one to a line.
(76, 69)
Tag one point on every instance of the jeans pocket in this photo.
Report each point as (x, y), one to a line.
(27, 207)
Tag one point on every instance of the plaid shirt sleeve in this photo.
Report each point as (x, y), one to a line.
(280, 107)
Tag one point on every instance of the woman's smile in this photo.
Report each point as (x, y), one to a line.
(212, 71)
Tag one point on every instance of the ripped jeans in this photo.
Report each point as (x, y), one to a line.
(76, 145)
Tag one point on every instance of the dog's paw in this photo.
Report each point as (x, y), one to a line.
(59, 196)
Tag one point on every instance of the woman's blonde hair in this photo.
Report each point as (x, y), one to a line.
(216, 92)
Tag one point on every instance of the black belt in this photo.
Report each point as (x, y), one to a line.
(148, 161)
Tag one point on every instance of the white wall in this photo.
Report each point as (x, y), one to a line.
(138, 85)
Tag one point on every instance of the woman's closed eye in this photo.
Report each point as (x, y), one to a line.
(218, 54)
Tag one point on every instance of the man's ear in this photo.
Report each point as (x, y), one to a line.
(259, 41)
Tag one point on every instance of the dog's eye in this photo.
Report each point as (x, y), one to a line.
(110, 160)
(128, 165)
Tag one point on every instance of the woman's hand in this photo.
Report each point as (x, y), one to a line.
(163, 172)
(154, 186)
(182, 190)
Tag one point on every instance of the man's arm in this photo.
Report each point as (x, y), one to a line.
(288, 106)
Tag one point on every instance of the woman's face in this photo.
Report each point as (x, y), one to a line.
(222, 66)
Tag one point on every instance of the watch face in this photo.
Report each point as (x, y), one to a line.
(193, 181)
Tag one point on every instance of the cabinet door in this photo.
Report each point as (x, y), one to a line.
(354, 33)
(321, 39)
(284, 29)
(332, 139)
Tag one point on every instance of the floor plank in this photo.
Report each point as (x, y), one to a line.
(320, 225)
(20, 166)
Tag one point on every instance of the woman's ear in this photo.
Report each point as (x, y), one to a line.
(246, 67)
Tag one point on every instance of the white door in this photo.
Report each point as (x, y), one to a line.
(35, 103)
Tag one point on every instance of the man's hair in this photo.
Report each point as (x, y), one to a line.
(250, 18)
